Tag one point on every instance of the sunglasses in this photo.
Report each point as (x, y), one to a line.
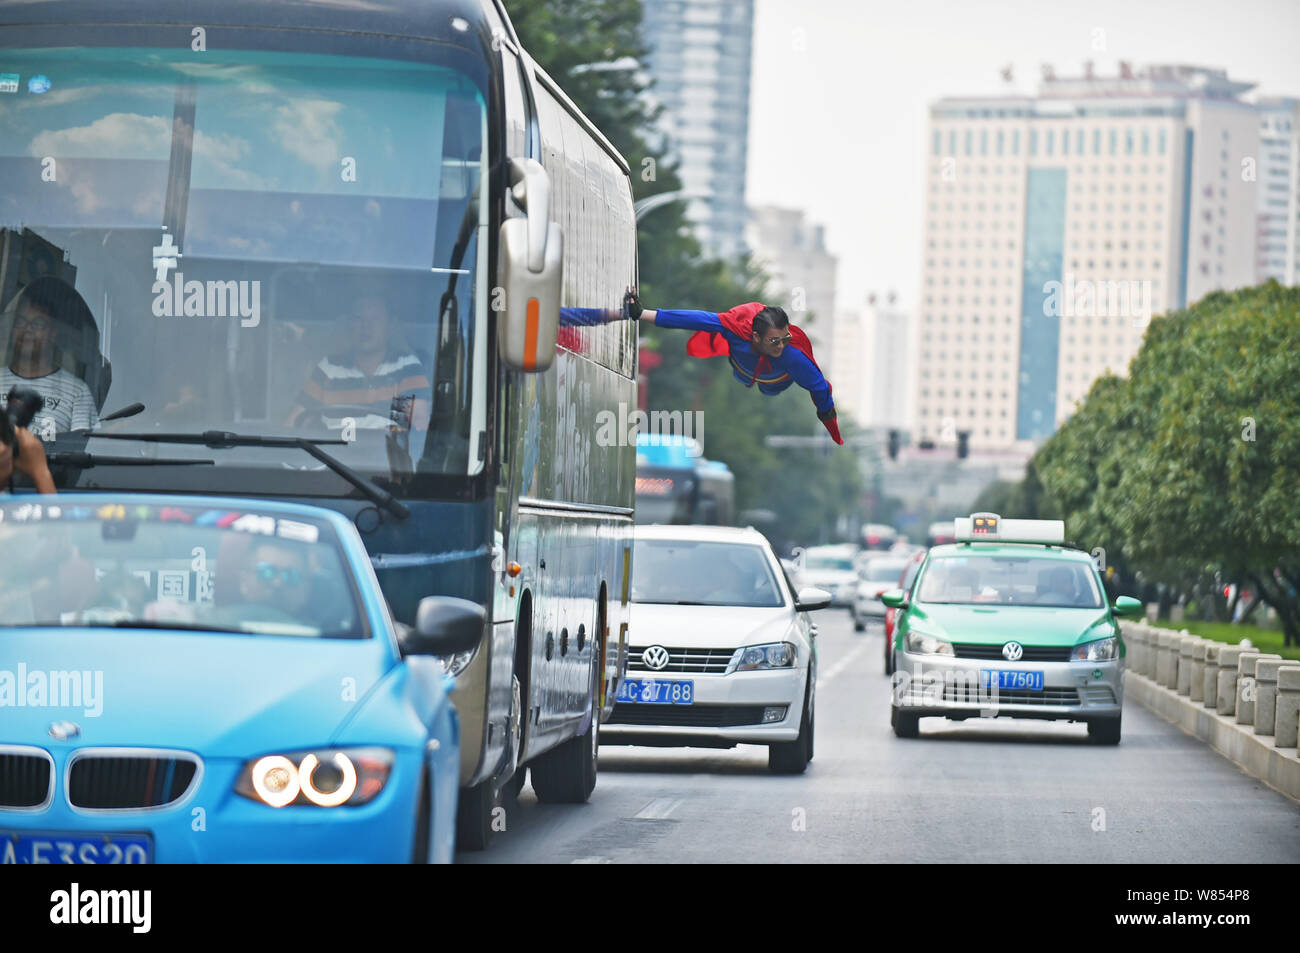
(773, 342)
(269, 572)
(27, 321)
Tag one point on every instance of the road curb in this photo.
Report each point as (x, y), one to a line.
(1279, 768)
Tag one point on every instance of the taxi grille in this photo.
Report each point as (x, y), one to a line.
(1032, 653)
(688, 716)
(977, 695)
(24, 780)
(129, 782)
(693, 661)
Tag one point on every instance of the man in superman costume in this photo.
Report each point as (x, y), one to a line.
(754, 338)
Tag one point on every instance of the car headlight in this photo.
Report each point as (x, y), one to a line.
(757, 658)
(455, 664)
(920, 643)
(1099, 651)
(327, 777)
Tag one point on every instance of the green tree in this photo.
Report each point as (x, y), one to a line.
(1189, 467)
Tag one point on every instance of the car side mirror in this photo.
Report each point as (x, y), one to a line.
(444, 625)
(531, 270)
(894, 598)
(1127, 605)
(810, 598)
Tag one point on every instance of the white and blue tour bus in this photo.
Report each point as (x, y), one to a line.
(367, 256)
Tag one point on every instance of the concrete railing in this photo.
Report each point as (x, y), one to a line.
(1243, 702)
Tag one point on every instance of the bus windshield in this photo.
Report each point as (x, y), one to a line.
(260, 242)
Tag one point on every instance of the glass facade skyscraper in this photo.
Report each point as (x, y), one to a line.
(700, 59)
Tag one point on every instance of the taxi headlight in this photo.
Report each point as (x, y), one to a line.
(328, 777)
(919, 643)
(1099, 651)
(756, 658)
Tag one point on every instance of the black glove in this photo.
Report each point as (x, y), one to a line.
(632, 306)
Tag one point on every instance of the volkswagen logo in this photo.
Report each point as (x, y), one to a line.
(1012, 651)
(655, 658)
(63, 730)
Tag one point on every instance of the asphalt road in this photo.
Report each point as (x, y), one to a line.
(979, 791)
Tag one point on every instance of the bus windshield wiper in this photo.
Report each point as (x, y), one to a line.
(85, 461)
(224, 440)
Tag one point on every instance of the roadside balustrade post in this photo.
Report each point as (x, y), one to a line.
(1227, 688)
(1196, 690)
(1287, 714)
(1266, 694)
(1185, 646)
(1247, 686)
(1210, 685)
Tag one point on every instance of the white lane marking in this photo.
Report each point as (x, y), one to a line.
(841, 665)
(658, 809)
(591, 860)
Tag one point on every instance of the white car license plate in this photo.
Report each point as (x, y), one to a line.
(649, 691)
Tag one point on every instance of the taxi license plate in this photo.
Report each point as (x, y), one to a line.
(646, 691)
(45, 847)
(1008, 678)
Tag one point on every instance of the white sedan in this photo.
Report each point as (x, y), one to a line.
(722, 649)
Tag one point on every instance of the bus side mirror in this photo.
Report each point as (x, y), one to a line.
(531, 270)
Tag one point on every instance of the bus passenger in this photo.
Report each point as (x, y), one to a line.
(34, 359)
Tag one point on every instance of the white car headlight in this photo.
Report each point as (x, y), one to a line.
(755, 658)
(328, 777)
(920, 643)
(1101, 650)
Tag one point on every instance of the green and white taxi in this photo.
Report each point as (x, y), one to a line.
(1009, 622)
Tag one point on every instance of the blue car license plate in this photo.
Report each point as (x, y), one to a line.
(45, 847)
(1006, 678)
(648, 691)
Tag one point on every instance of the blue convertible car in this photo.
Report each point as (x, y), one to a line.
(190, 679)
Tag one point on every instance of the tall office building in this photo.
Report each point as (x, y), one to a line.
(870, 363)
(1278, 206)
(1057, 226)
(792, 251)
(700, 53)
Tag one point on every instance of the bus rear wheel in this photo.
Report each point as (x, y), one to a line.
(567, 774)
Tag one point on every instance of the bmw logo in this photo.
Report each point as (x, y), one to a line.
(63, 730)
(1013, 651)
(655, 658)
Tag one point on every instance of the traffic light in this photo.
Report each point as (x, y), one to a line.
(963, 444)
(893, 444)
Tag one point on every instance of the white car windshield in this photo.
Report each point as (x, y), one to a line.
(703, 573)
(828, 562)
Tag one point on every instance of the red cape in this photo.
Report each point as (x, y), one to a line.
(740, 322)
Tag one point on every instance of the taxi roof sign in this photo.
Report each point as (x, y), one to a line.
(993, 528)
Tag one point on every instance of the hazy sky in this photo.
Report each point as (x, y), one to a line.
(841, 89)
